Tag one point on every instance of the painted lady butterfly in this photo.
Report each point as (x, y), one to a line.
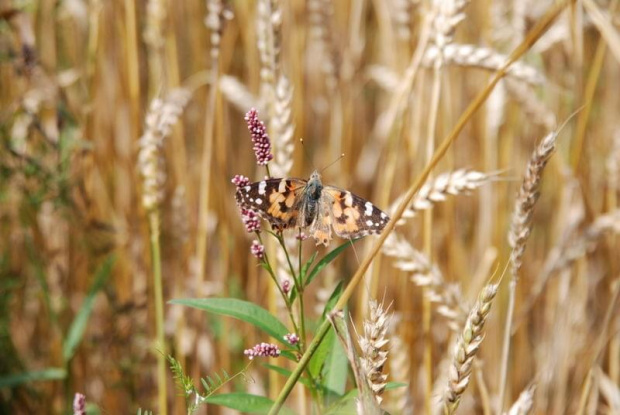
(287, 203)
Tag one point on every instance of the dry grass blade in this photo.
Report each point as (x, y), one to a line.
(466, 348)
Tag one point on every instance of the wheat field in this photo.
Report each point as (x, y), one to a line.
(139, 273)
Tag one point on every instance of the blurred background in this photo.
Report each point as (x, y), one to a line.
(113, 110)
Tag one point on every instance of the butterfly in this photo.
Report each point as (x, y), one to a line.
(308, 204)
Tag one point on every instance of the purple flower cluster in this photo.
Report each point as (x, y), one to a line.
(251, 220)
(262, 349)
(257, 249)
(292, 338)
(240, 180)
(262, 143)
(79, 404)
(286, 286)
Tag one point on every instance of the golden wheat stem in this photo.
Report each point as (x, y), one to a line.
(590, 89)
(427, 231)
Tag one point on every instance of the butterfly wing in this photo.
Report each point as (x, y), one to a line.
(275, 200)
(351, 215)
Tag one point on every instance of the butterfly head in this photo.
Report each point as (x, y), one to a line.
(314, 186)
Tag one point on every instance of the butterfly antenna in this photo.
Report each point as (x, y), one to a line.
(306, 156)
(332, 163)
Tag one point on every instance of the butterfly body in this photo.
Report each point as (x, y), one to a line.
(308, 204)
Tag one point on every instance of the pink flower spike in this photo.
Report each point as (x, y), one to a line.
(291, 338)
(251, 220)
(301, 236)
(262, 143)
(262, 350)
(79, 404)
(240, 180)
(257, 249)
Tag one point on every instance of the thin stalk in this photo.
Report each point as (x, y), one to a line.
(285, 297)
(473, 107)
(428, 245)
(300, 293)
(159, 310)
(512, 288)
(590, 89)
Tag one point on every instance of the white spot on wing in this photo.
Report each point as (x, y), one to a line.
(368, 210)
(368, 222)
(348, 199)
(247, 188)
(261, 187)
(383, 215)
(259, 201)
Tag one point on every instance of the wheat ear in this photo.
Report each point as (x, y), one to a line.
(466, 348)
(373, 350)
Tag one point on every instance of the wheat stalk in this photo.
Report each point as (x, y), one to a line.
(524, 404)
(238, 94)
(520, 228)
(282, 129)
(466, 348)
(521, 225)
(162, 115)
(535, 110)
(437, 189)
(400, 364)
(484, 58)
(587, 241)
(319, 18)
(426, 275)
(446, 17)
(373, 352)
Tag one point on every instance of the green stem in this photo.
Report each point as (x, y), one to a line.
(303, 362)
(159, 310)
(289, 307)
(300, 294)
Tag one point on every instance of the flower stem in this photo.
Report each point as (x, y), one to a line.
(159, 309)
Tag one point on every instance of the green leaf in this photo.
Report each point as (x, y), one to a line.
(245, 402)
(242, 310)
(302, 275)
(78, 326)
(315, 366)
(335, 369)
(306, 266)
(326, 260)
(333, 298)
(10, 381)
